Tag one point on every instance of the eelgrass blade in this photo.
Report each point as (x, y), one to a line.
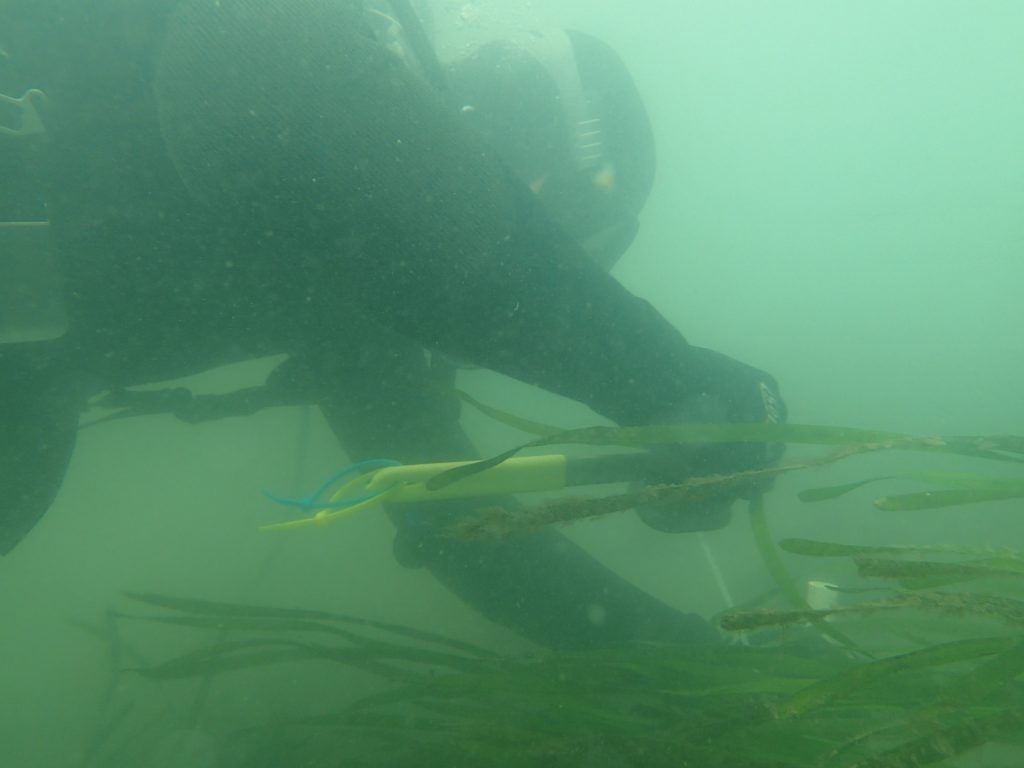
(229, 611)
(979, 684)
(246, 654)
(228, 657)
(253, 624)
(912, 502)
(998, 608)
(781, 576)
(826, 691)
(666, 434)
(499, 523)
(923, 574)
(947, 740)
(770, 557)
(828, 493)
(807, 434)
(811, 548)
(509, 419)
(963, 480)
(1008, 443)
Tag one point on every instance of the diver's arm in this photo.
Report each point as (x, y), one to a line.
(551, 317)
(541, 585)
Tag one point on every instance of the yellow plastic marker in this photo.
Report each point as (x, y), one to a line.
(407, 484)
(525, 474)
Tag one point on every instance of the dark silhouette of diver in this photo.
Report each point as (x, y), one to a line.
(235, 179)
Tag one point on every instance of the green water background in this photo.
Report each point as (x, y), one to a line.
(838, 201)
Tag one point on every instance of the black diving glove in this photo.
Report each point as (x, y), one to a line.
(725, 390)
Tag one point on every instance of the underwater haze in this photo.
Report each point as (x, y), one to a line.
(837, 201)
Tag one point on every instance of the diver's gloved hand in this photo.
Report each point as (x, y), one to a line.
(724, 390)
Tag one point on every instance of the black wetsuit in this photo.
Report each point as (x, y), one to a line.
(253, 177)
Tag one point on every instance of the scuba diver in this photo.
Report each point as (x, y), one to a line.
(243, 178)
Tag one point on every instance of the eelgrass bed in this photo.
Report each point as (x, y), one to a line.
(795, 687)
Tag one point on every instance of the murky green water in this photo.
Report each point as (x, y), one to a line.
(837, 201)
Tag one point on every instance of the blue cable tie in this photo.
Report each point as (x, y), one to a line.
(311, 502)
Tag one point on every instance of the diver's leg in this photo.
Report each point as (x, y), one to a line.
(541, 585)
